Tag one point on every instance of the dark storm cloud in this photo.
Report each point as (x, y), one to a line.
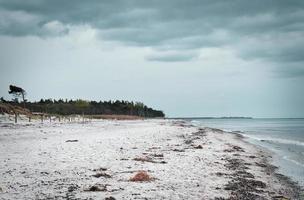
(181, 18)
(171, 25)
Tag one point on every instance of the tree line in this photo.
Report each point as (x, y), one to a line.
(69, 107)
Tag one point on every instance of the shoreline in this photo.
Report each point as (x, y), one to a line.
(182, 161)
(289, 188)
(293, 189)
(274, 169)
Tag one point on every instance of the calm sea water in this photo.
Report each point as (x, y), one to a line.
(284, 137)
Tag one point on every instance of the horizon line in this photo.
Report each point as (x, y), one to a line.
(234, 117)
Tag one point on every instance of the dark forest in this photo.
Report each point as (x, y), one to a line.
(69, 107)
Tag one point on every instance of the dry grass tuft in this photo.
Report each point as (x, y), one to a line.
(141, 176)
(11, 109)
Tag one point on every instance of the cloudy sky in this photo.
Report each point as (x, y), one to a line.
(185, 57)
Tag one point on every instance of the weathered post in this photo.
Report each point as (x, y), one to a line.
(16, 117)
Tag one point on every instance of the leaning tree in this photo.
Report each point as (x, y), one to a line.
(17, 92)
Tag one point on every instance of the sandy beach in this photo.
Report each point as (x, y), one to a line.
(99, 160)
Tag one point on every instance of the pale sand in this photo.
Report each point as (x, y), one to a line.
(38, 162)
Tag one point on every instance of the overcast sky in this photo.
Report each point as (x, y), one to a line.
(185, 57)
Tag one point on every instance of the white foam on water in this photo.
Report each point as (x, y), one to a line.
(275, 140)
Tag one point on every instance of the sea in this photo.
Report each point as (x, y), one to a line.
(283, 137)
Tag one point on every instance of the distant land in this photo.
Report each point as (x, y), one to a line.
(234, 118)
(209, 118)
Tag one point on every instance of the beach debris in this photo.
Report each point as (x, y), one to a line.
(196, 138)
(97, 188)
(100, 169)
(182, 124)
(249, 185)
(198, 147)
(101, 174)
(200, 132)
(110, 198)
(235, 164)
(238, 134)
(188, 141)
(237, 148)
(260, 164)
(144, 159)
(71, 141)
(132, 171)
(72, 188)
(221, 174)
(141, 176)
(153, 148)
(158, 155)
(243, 185)
(219, 198)
(179, 150)
(234, 149)
(243, 188)
(279, 197)
(148, 159)
(245, 174)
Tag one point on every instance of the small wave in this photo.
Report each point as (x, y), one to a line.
(285, 141)
(293, 161)
(228, 130)
(275, 140)
(195, 121)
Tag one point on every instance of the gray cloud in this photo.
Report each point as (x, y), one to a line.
(168, 25)
(279, 48)
(172, 57)
(293, 70)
